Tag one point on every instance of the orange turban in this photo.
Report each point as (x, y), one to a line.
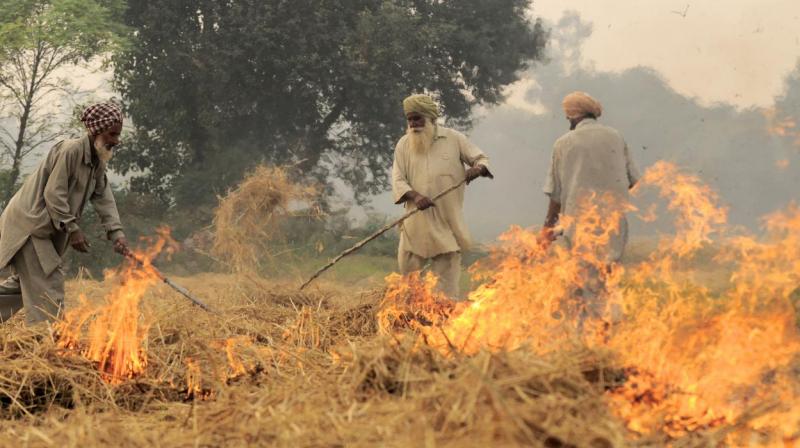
(580, 104)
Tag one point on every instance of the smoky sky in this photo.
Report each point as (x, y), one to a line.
(729, 148)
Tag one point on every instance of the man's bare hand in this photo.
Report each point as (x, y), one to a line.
(475, 172)
(422, 202)
(78, 241)
(546, 237)
(121, 246)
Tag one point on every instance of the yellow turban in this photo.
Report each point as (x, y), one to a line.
(580, 104)
(421, 104)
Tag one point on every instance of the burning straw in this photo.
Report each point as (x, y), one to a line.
(683, 366)
(283, 368)
(114, 334)
(696, 361)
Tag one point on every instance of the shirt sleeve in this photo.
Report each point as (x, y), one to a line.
(56, 191)
(106, 207)
(470, 153)
(630, 166)
(552, 184)
(400, 184)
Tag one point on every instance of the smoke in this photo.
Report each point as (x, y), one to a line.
(755, 171)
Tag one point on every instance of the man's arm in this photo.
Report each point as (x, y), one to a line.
(56, 191)
(401, 188)
(473, 157)
(420, 201)
(105, 205)
(56, 194)
(553, 212)
(400, 185)
(552, 188)
(550, 221)
(630, 167)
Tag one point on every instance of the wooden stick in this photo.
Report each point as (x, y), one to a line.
(180, 289)
(380, 232)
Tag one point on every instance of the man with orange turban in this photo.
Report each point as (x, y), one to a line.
(428, 160)
(579, 105)
(590, 163)
(42, 219)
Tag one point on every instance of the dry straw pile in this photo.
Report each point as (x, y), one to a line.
(282, 368)
(247, 221)
(279, 367)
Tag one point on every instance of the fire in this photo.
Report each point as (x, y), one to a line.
(194, 379)
(781, 125)
(695, 358)
(521, 299)
(114, 334)
(710, 359)
(237, 365)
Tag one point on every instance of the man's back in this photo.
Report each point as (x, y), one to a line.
(590, 159)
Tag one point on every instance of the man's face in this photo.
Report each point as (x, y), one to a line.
(416, 122)
(109, 138)
(105, 141)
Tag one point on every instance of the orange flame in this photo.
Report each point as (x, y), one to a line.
(694, 358)
(114, 334)
(521, 301)
(235, 362)
(781, 125)
(194, 384)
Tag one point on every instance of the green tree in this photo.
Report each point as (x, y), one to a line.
(39, 39)
(215, 87)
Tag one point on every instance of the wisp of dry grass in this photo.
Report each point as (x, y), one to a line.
(248, 217)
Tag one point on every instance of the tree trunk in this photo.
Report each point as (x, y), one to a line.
(16, 163)
(316, 141)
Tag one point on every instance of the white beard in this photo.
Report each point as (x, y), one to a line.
(104, 153)
(421, 140)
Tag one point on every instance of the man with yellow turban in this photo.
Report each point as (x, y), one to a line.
(429, 159)
(42, 219)
(590, 162)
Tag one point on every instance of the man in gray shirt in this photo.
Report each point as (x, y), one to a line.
(42, 219)
(591, 163)
(591, 159)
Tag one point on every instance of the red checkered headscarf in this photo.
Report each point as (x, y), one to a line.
(101, 116)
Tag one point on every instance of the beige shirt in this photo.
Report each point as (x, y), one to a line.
(50, 203)
(440, 229)
(591, 158)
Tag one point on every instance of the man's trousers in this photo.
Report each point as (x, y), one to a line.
(41, 295)
(446, 267)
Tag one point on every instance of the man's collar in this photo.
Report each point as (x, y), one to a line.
(87, 150)
(586, 121)
(437, 135)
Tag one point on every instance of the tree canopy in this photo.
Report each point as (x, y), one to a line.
(214, 87)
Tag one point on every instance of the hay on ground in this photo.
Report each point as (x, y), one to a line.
(281, 368)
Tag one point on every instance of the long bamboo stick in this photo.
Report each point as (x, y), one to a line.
(180, 289)
(378, 233)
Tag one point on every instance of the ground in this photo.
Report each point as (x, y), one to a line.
(275, 366)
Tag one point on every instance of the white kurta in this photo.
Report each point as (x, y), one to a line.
(592, 158)
(440, 229)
